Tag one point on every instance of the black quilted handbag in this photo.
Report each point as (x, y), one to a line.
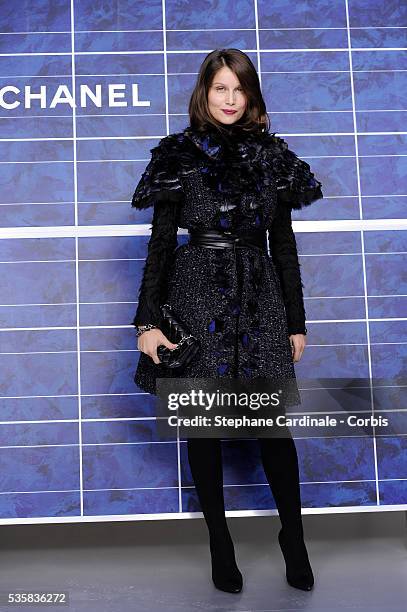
(178, 333)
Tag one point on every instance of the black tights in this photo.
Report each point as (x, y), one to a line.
(280, 463)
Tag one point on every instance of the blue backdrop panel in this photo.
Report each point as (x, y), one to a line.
(87, 88)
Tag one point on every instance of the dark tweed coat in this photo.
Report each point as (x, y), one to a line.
(242, 304)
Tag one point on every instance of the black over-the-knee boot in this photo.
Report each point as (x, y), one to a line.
(280, 462)
(205, 460)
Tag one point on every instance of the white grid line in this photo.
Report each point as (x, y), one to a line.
(121, 160)
(150, 115)
(363, 248)
(160, 442)
(199, 51)
(249, 484)
(116, 302)
(258, 54)
(60, 202)
(318, 414)
(167, 127)
(103, 518)
(154, 137)
(127, 74)
(123, 350)
(110, 259)
(144, 229)
(128, 326)
(75, 178)
(143, 31)
(133, 394)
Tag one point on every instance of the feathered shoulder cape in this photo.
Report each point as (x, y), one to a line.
(233, 163)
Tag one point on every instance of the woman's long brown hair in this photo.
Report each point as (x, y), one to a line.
(255, 118)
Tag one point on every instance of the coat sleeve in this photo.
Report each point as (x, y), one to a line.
(283, 250)
(160, 188)
(296, 187)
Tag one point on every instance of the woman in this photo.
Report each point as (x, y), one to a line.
(226, 175)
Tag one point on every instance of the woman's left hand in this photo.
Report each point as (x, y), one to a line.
(297, 342)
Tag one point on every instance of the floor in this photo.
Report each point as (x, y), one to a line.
(359, 562)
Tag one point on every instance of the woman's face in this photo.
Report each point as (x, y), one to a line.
(226, 94)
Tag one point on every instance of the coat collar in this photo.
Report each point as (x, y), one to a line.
(233, 143)
(233, 162)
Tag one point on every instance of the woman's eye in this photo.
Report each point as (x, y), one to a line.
(220, 88)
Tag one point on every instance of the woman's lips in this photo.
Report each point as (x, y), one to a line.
(229, 112)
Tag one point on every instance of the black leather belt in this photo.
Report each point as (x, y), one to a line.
(216, 239)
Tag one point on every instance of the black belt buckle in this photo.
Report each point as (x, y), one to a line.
(234, 237)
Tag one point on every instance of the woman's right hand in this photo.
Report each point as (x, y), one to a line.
(150, 340)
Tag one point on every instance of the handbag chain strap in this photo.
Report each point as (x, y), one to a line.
(184, 338)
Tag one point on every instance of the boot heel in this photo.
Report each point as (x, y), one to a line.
(298, 568)
(226, 576)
